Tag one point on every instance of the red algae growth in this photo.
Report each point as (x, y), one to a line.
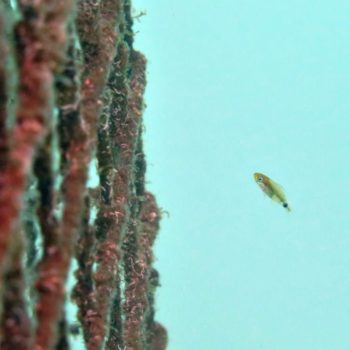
(71, 96)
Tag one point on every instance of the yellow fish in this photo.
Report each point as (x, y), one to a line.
(272, 189)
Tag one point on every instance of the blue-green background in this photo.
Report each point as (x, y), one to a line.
(236, 87)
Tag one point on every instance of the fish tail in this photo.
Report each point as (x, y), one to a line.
(285, 205)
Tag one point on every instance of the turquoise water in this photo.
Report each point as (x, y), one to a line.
(236, 87)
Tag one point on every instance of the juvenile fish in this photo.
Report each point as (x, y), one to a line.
(272, 189)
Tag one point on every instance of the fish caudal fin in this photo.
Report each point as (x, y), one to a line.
(285, 205)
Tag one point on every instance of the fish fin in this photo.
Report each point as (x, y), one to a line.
(276, 198)
(286, 206)
(266, 190)
(279, 192)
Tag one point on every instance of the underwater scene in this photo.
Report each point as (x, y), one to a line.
(174, 175)
(237, 88)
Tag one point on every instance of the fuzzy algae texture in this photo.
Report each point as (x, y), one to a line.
(71, 96)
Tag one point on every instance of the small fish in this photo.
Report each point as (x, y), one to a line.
(272, 189)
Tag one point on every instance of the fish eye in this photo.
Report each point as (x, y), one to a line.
(260, 178)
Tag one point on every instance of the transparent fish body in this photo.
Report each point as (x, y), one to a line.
(272, 189)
